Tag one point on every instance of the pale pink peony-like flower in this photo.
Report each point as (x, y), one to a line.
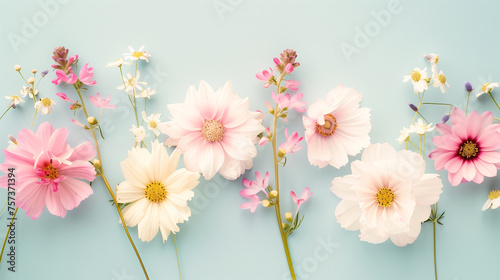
(48, 171)
(336, 128)
(468, 149)
(388, 195)
(215, 131)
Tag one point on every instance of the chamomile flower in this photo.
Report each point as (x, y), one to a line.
(417, 77)
(440, 81)
(139, 133)
(45, 105)
(15, 99)
(487, 88)
(404, 135)
(421, 128)
(136, 55)
(132, 82)
(146, 93)
(117, 63)
(153, 122)
(27, 91)
(493, 200)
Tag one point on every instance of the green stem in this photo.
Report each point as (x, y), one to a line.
(106, 183)
(7, 235)
(423, 117)
(467, 107)
(435, 263)
(24, 78)
(493, 98)
(33, 121)
(177, 255)
(5, 112)
(413, 145)
(432, 103)
(276, 180)
(420, 99)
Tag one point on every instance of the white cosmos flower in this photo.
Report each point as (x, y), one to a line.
(117, 63)
(146, 93)
(417, 77)
(132, 82)
(45, 105)
(136, 55)
(139, 133)
(440, 81)
(154, 123)
(388, 195)
(493, 200)
(487, 88)
(421, 128)
(157, 192)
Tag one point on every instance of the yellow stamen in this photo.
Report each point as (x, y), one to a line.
(494, 194)
(212, 130)
(155, 192)
(385, 197)
(468, 149)
(50, 172)
(46, 102)
(484, 87)
(415, 76)
(329, 127)
(137, 54)
(153, 124)
(442, 78)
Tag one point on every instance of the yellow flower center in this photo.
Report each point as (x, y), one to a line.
(442, 78)
(494, 194)
(415, 76)
(50, 172)
(484, 86)
(131, 82)
(46, 102)
(437, 59)
(137, 54)
(329, 127)
(468, 149)
(155, 192)
(152, 124)
(212, 130)
(385, 197)
(15, 97)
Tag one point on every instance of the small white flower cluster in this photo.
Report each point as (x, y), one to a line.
(420, 79)
(418, 127)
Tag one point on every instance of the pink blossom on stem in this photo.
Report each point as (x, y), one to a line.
(303, 198)
(284, 101)
(291, 144)
(254, 187)
(77, 123)
(86, 75)
(252, 204)
(265, 75)
(292, 85)
(70, 78)
(64, 97)
(276, 61)
(265, 139)
(289, 68)
(101, 103)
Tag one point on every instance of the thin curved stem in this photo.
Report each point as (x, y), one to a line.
(5, 112)
(106, 183)
(276, 181)
(435, 262)
(493, 98)
(467, 106)
(177, 255)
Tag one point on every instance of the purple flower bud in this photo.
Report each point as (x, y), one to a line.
(445, 118)
(12, 104)
(427, 57)
(413, 107)
(44, 73)
(468, 87)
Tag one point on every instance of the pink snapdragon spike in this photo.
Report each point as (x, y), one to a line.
(101, 103)
(303, 198)
(252, 204)
(265, 76)
(276, 61)
(254, 187)
(86, 75)
(291, 144)
(289, 68)
(70, 78)
(65, 97)
(284, 101)
(292, 85)
(49, 171)
(468, 149)
(72, 59)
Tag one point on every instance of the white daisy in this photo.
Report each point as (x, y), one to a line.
(132, 82)
(156, 191)
(153, 122)
(117, 63)
(136, 55)
(487, 88)
(421, 128)
(388, 195)
(139, 133)
(417, 77)
(45, 105)
(440, 81)
(432, 58)
(15, 99)
(27, 90)
(493, 200)
(146, 93)
(405, 135)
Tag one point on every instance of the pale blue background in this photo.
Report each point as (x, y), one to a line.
(190, 41)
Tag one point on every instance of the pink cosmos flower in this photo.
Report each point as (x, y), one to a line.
(65, 97)
(291, 144)
(336, 128)
(215, 131)
(265, 76)
(292, 85)
(48, 170)
(101, 103)
(252, 204)
(86, 75)
(254, 187)
(284, 101)
(303, 198)
(468, 149)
